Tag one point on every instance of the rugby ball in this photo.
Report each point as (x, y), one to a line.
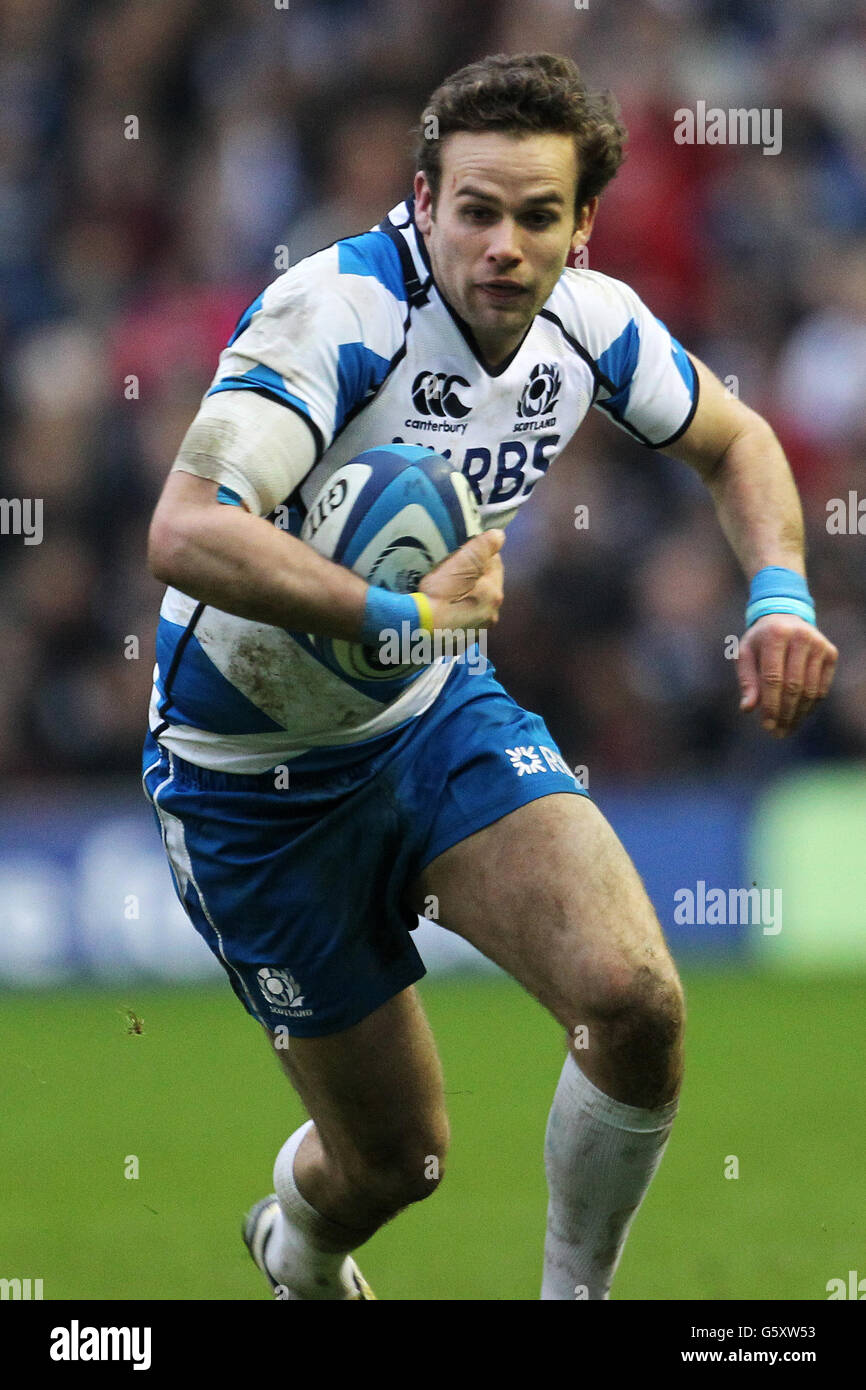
(391, 514)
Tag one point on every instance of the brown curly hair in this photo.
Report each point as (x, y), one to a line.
(522, 94)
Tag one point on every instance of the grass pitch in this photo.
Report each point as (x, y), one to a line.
(774, 1080)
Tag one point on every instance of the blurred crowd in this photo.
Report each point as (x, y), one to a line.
(154, 154)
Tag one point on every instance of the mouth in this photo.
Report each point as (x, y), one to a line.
(502, 291)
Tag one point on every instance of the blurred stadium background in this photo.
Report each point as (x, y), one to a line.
(262, 127)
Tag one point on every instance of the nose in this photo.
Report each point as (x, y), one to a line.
(504, 245)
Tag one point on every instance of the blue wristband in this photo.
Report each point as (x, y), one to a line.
(386, 610)
(779, 590)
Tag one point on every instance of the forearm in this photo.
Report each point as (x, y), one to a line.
(242, 564)
(232, 559)
(757, 503)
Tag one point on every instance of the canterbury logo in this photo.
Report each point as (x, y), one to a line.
(435, 393)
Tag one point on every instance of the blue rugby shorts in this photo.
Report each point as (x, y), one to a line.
(299, 890)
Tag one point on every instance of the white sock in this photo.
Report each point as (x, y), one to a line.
(600, 1157)
(293, 1253)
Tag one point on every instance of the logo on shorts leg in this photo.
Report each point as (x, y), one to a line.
(525, 760)
(281, 990)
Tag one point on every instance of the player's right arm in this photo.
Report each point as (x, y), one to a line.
(232, 558)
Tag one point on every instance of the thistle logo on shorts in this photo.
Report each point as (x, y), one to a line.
(281, 990)
(541, 392)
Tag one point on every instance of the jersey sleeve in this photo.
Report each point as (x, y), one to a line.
(251, 446)
(645, 380)
(322, 338)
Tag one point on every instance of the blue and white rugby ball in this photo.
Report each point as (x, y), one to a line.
(391, 514)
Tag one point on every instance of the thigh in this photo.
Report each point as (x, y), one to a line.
(549, 893)
(296, 889)
(375, 1090)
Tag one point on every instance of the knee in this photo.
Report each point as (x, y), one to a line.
(394, 1173)
(659, 1007)
(638, 1016)
(644, 998)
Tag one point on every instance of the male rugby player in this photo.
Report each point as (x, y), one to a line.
(457, 325)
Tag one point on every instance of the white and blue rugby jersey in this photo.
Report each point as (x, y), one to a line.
(357, 343)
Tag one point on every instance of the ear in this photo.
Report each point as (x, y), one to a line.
(583, 229)
(423, 204)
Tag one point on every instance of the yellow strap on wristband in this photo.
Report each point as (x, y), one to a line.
(425, 610)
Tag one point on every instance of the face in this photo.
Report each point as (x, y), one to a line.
(503, 225)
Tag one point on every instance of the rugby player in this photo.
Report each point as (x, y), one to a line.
(456, 324)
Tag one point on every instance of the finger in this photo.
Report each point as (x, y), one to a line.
(812, 678)
(804, 708)
(482, 549)
(747, 675)
(772, 664)
(796, 660)
(460, 570)
(820, 666)
(492, 540)
(828, 671)
(810, 696)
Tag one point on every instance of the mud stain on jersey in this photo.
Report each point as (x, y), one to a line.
(291, 687)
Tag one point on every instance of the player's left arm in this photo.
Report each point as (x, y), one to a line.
(785, 664)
